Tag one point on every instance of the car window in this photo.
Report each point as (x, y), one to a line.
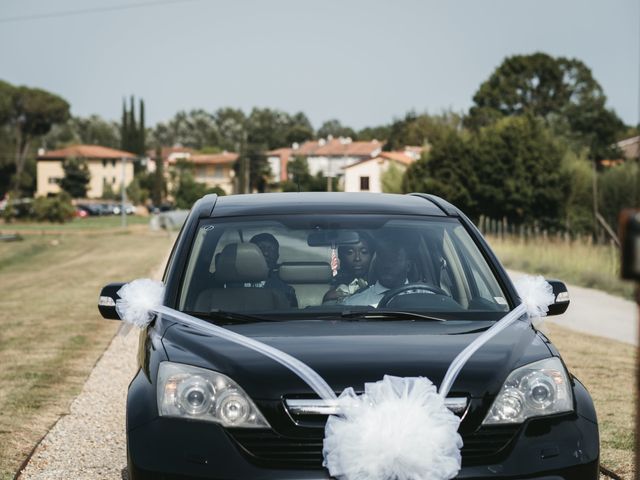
(324, 264)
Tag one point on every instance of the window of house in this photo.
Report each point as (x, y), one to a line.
(218, 172)
(53, 180)
(113, 180)
(364, 184)
(104, 163)
(113, 162)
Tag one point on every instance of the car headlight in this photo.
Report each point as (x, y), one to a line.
(540, 388)
(191, 392)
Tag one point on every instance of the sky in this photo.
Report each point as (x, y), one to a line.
(364, 62)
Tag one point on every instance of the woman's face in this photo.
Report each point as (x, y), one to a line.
(355, 259)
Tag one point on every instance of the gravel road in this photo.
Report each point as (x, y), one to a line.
(89, 442)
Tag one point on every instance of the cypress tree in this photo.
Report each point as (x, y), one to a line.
(132, 134)
(124, 129)
(158, 179)
(141, 132)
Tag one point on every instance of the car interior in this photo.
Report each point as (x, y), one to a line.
(227, 272)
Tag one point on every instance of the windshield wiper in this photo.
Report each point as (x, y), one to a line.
(388, 315)
(235, 317)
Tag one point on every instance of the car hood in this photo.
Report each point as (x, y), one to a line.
(351, 353)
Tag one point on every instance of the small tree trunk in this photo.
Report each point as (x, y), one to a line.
(22, 146)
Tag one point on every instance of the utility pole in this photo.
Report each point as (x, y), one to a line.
(123, 193)
(594, 188)
(247, 165)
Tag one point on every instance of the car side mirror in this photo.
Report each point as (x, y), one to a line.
(562, 298)
(107, 301)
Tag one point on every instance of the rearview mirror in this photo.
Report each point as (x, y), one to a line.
(107, 301)
(562, 298)
(329, 238)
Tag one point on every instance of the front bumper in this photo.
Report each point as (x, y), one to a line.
(556, 448)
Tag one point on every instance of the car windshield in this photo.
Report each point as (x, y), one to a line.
(339, 266)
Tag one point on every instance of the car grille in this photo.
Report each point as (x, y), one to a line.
(270, 449)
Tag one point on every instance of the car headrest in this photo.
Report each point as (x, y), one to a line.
(305, 272)
(241, 262)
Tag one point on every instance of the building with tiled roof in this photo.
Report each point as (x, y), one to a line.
(326, 156)
(105, 166)
(278, 160)
(630, 147)
(366, 175)
(214, 170)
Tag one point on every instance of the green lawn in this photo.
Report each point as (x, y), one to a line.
(77, 224)
(51, 334)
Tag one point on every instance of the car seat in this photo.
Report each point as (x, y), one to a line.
(240, 273)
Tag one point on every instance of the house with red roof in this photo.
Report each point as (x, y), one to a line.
(106, 166)
(214, 170)
(366, 175)
(326, 156)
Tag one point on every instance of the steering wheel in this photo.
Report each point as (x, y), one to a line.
(409, 287)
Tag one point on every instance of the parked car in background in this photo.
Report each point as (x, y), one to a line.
(91, 209)
(262, 266)
(128, 209)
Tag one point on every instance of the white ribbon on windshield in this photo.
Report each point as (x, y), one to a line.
(399, 427)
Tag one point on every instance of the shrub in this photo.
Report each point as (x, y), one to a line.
(53, 209)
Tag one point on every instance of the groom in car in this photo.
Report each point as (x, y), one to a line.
(391, 267)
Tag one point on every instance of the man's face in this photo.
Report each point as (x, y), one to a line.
(392, 266)
(355, 259)
(270, 251)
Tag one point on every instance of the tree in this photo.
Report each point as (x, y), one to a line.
(76, 177)
(548, 87)
(133, 132)
(91, 130)
(32, 113)
(391, 179)
(511, 169)
(618, 189)
(420, 129)
(301, 180)
(186, 190)
(380, 132)
(447, 171)
(159, 187)
(334, 128)
(195, 129)
(231, 125)
(579, 205)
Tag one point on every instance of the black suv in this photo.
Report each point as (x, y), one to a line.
(357, 286)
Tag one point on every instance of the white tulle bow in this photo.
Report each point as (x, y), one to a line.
(138, 299)
(536, 295)
(399, 428)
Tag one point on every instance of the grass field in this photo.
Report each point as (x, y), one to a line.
(75, 225)
(50, 331)
(578, 262)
